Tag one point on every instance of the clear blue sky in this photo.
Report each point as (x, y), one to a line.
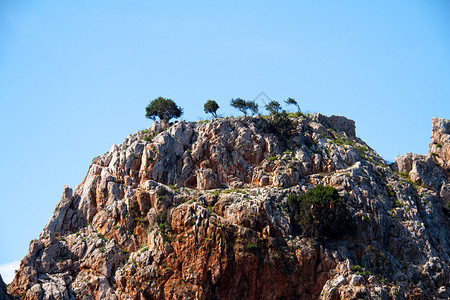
(75, 77)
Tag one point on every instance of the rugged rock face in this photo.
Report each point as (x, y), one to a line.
(200, 211)
(3, 293)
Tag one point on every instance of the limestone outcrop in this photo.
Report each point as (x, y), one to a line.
(200, 210)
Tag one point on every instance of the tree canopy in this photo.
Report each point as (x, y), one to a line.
(253, 107)
(211, 107)
(273, 107)
(291, 101)
(244, 106)
(320, 212)
(240, 104)
(164, 109)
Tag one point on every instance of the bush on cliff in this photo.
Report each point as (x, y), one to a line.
(279, 119)
(320, 212)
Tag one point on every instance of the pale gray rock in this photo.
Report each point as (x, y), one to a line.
(206, 179)
(404, 162)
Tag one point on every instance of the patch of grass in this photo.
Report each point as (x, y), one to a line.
(397, 203)
(164, 226)
(339, 141)
(210, 210)
(101, 249)
(356, 268)
(439, 145)
(272, 158)
(390, 191)
(403, 174)
(251, 246)
(414, 185)
(102, 237)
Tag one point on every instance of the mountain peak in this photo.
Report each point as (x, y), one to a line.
(236, 208)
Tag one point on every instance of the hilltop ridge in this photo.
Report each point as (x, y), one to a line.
(202, 210)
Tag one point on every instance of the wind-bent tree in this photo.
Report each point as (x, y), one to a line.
(252, 106)
(273, 107)
(211, 107)
(164, 109)
(244, 106)
(291, 101)
(240, 104)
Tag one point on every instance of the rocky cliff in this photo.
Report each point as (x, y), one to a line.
(200, 210)
(3, 292)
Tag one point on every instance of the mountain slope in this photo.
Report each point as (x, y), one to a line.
(201, 210)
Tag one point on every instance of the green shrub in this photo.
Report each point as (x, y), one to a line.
(390, 191)
(397, 203)
(165, 226)
(281, 124)
(360, 270)
(272, 158)
(251, 246)
(320, 212)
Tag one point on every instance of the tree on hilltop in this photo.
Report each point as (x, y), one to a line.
(253, 107)
(164, 109)
(244, 106)
(239, 104)
(291, 101)
(211, 107)
(273, 107)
